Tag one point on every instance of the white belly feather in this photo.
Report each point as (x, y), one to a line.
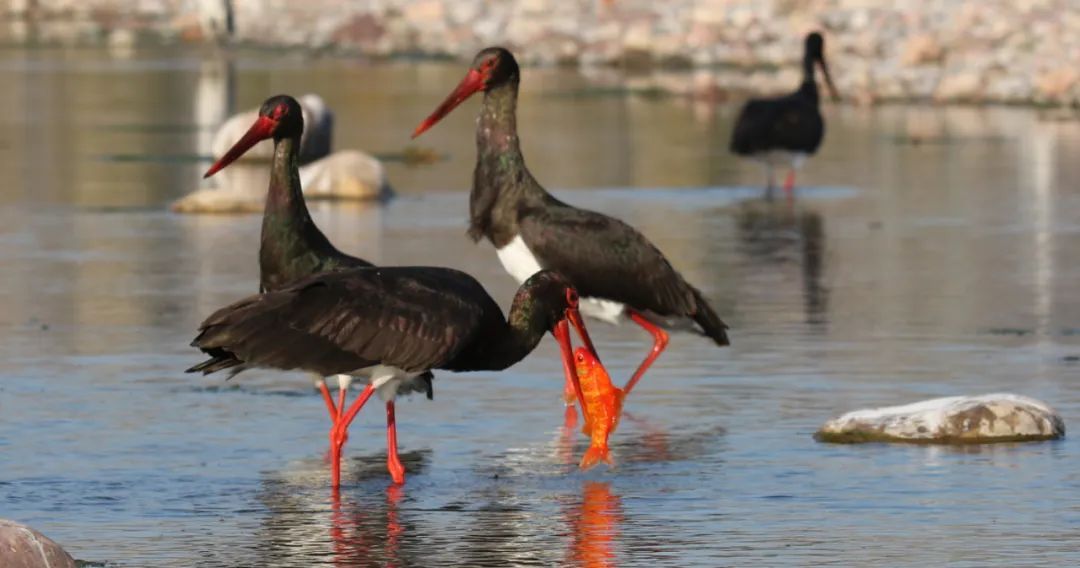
(520, 262)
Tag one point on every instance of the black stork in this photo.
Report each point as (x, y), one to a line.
(784, 131)
(618, 272)
(393, 324)
(291, 245)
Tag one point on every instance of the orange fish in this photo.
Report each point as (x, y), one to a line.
(603, 406)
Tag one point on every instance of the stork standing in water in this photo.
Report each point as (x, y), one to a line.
(291, 246)
(784, 131)
(393, 325)
(618, 272)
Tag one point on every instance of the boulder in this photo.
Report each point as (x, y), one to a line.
(981, 419)
(24, 547)
(241, 188)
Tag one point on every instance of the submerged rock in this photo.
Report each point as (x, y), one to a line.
(24, 547)
(981, 419)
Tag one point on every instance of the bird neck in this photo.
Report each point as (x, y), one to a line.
(501, 178)
(285, 199)
(288, 233)
(808, 88)
(526, 327)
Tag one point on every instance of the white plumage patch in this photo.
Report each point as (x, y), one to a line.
(518, 260)
(608, 311)
(387, 379)
(781, 158)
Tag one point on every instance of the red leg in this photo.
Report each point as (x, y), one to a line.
(393, 462)
(660, 341)
(328, 400)
(339, 433)
(338, 411)
(789, 183)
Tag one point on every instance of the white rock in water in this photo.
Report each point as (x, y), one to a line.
(241, 188)
(987, 418)
(24, 547)
(315, 142)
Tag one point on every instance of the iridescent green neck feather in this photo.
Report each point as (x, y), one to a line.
(501, 179)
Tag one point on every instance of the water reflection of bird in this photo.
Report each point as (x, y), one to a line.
(393, 326)
(784, 131)
(302, 523)
(619, 273)
(594, 526)
(773, 233)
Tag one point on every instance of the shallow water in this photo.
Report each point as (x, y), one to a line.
(933, 252)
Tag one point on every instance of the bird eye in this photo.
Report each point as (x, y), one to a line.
(571, 297)
(281, 110)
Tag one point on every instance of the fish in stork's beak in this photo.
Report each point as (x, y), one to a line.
(602, 406)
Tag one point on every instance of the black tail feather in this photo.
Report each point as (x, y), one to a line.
(710, 323)
(219, 359)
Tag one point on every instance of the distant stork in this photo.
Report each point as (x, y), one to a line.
(784, 131)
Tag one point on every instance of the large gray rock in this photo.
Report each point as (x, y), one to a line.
(24, 547)
(981, 419)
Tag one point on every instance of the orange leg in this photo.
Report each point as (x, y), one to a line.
(339, 433)
(660, 341)
(789, 184)
(393, 462)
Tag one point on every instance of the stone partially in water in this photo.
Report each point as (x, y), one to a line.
(24, 547)
(951, 420)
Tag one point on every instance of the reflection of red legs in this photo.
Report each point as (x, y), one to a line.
(393, 462)
(339, 433)
(660, 341)
(789, 184)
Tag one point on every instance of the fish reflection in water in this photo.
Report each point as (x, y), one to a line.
(594, 526)
(778, 232)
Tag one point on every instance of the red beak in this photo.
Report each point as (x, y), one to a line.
(473, 82)
(828, 79)
(262, 129)
(575, 318)
(562, 336)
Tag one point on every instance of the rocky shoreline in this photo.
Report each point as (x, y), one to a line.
(992, 51)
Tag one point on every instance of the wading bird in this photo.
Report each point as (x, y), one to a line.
(393, 325)
(618, 272)
(291, 246)
(784, 131)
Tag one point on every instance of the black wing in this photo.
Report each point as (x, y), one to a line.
(606, 258)
(413, 318)
(787, 123)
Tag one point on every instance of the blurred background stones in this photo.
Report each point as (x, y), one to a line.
(1005, 51)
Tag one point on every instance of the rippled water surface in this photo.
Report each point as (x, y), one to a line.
(932, 252)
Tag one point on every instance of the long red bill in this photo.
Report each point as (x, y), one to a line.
(562, 336)
(574, 316)
(261, 130)
(828, 79)
(468, 86)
